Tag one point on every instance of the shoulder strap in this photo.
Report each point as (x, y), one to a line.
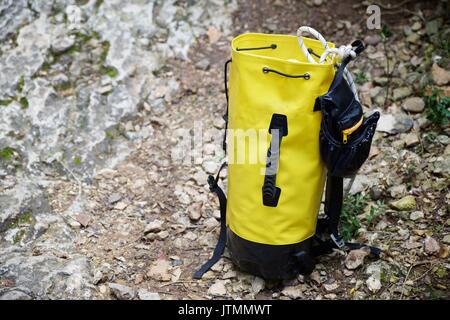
(220, 246)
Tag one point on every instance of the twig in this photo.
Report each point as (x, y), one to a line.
(406, 278)
(389, 7)
(409, 271)
(74, 176)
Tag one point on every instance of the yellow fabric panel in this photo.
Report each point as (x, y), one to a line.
(254, 97)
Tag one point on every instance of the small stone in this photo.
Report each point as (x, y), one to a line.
(416, 26)
(213, 35)
(211, 223)
(414, 104)
(373, 283)
(431, 246)
(404, 204)
(210, 166)
(411, 139)
(440, 75)
(292, 292)
(217, 289)
(160, 270)
(163, 235)
(195, 211)
(347, 273)
(400, 93)
(446, 239)
(120, 206)
(416, 215)
(114, 198)
(315, 276)
(393, 124)
(62, 44)
(258, 285)
(121, 292)
(98, 276)
(83, 219)
(375, 91)
(413, 38)
(432, 27)
(318, 3)
(144, 294)
(397, 191)
(203, 64)
(331, 286)
(105, 89)
(372, 40)
(219, 123)
(200, 177)
(355, 258)
(153, 227)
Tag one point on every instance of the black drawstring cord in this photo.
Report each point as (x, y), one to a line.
(305, 76)
(272, 46)
(311, 51)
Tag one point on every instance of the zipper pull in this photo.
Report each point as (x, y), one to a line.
(348, 131)
(344, 137)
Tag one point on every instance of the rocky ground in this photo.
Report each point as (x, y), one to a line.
(99, 200)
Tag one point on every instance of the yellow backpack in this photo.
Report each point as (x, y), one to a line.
(276, 176)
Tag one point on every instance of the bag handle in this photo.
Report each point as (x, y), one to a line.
(278, 129)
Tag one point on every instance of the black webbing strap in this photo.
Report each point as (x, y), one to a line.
(220, 246)
(225, 116)
(325, 247)
(333, 207)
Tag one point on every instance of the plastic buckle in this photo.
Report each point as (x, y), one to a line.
(338, 241)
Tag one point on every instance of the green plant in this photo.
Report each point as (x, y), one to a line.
(110, 71)
(352, 206)
(21, 84)
(77, 160)
(7, 153)
(376, 211)
(385, 34)
(5, 102)
(437, 109)
(24, 103)
(360, 77)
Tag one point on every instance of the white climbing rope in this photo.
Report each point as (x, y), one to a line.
(342, 52)
(327, 56)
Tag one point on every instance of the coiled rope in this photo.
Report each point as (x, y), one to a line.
(327, 56)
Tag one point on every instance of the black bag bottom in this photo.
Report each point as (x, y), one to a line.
(275, 262)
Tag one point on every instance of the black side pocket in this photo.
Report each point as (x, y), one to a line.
(345, 159)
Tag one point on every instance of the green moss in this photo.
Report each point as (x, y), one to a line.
(77, 160)
(110, 71)
(24, 103)
(63, 86)
(26, 218)
(18, 236)
(110, 134)
(7, 153)
(21, 84)
(105, 49)
(5, 102)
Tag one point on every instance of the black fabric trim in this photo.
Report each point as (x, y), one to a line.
(269, 261)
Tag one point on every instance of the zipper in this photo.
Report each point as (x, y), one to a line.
(347, 132)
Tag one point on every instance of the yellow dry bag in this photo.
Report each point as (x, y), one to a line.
(276, 176)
